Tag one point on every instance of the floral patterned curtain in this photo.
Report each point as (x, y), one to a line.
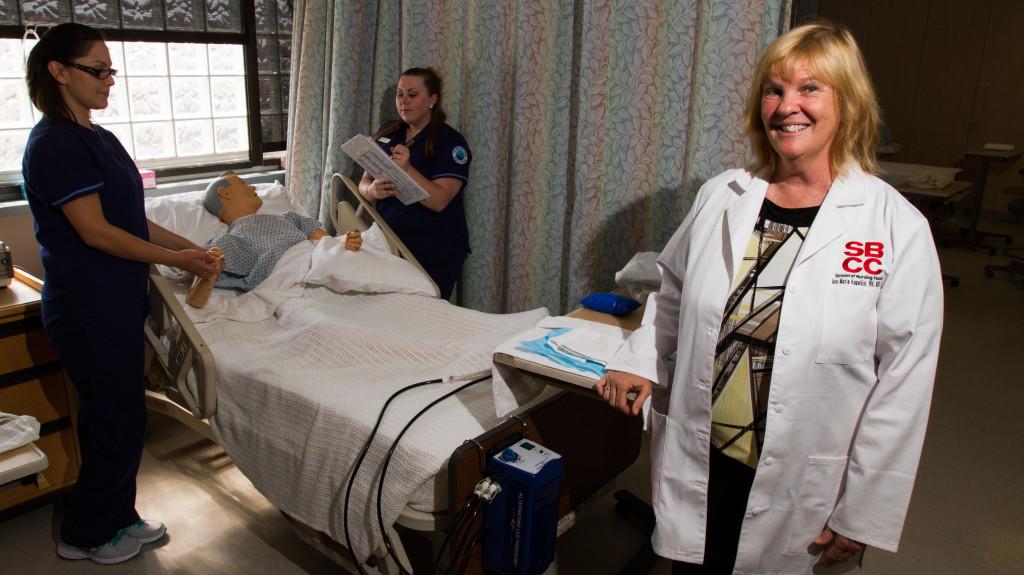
(592, 122)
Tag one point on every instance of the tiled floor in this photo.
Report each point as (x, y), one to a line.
(967, 515)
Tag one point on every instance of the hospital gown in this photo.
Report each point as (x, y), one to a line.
(253, 244)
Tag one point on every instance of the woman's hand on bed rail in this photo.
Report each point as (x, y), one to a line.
(624, 391)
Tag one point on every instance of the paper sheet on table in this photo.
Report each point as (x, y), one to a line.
(368, 154)
(587, 344)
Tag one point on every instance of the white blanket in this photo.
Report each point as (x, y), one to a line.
(324, 262)
(299, 391)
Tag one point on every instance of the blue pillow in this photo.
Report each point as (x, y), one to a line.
(609, 303)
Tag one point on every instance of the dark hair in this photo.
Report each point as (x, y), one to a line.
(62, 43)
(432, 80)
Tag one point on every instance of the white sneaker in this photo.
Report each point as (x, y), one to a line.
(145, 530)
(117, 550)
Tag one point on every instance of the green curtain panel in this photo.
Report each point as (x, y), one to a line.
(592, 123)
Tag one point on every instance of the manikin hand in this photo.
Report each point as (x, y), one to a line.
(353, 241)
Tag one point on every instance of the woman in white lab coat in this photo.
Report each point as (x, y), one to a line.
(791, 351)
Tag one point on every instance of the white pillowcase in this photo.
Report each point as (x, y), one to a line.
(366, 271)
(185, 215)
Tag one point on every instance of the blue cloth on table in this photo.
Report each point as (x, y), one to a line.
(253, 244)
(542, 347)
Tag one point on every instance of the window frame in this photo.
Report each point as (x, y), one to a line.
(260, 154)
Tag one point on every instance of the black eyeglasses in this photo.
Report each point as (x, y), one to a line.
(102, 74)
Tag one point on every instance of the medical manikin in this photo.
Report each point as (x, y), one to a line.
(254, 242)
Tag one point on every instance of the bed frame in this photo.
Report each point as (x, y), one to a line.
(597, 445)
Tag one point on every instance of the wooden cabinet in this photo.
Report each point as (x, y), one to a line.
(33, 383)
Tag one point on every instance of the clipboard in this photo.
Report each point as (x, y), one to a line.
(368, 154)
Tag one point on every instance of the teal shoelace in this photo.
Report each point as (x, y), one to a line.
(113, 541)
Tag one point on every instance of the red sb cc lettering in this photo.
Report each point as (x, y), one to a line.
(863, 256)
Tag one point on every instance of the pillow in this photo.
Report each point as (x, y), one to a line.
(185, 215)
(365, 271)
(610, 303)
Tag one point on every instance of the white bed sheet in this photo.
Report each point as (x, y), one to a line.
(299, 391)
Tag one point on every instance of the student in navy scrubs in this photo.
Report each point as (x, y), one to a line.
(96, 244)
(437, 157)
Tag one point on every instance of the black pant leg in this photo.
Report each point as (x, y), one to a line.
(729, 484)
(105, 363)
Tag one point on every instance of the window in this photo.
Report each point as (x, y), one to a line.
(200, 82)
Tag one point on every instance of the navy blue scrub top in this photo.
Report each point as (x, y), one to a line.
(440, 238)
(64, 161)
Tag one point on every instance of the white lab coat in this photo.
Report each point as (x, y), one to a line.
(852, 380)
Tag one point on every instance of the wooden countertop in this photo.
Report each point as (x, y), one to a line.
(21, 296)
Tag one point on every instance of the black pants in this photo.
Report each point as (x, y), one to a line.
(105, 361)
(729, 485)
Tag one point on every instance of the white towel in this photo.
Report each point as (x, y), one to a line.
(588, 344)
(17, 430)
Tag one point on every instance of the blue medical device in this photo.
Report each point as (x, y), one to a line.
(522, 520)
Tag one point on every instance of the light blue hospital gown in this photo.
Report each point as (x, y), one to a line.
(253, 244)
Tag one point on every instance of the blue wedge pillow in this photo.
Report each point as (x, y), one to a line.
(609, 303)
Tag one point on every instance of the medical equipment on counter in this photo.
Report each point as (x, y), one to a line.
(521, 522)
(6, 265)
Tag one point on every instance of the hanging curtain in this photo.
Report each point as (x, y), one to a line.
(344, 54)
(663, 87)
(592, 122)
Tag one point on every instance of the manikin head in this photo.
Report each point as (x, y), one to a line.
(229, 198)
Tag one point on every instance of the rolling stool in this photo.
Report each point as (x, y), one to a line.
(1016, 265)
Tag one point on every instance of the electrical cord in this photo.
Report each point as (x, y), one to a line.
(463, 539)
(359, 463)
(456, 525)
(486, 374)
(484, 492)
(469, 552)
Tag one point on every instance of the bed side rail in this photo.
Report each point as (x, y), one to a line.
(177, 349)
(342, 214)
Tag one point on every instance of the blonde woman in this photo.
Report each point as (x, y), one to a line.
(791, 352)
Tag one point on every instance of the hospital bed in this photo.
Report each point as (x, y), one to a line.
(293, 429)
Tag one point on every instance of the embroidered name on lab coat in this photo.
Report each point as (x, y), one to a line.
(861, 265)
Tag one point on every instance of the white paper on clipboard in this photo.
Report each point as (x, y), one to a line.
(368, 154)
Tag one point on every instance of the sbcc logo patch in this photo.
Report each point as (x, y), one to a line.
(863, 257)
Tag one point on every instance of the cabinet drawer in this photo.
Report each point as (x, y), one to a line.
(44, 398)
(62, 452)
(23, 344)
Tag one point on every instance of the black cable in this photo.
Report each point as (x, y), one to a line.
(359, 463)
(464, 539)
(387, 461)
(469, 552)
(456, 524)
(460, 538)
